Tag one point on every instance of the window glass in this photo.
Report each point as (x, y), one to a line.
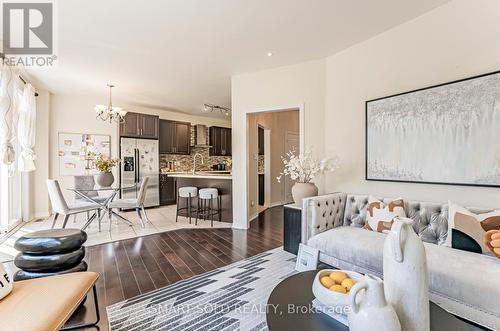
(11, 187)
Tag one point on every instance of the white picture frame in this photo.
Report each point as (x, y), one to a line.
(307, 258)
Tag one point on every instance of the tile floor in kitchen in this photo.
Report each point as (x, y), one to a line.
(161, 219)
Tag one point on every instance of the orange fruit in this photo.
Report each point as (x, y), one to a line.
(338, 276)
(338, 288)
(327, 281)
(348, 283)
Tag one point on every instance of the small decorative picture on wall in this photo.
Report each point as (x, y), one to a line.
(307, 258)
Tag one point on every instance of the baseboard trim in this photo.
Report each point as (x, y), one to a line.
(279, 203)
(253, 217)
(40, 215)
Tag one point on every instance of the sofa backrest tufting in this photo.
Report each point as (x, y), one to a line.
(430, 219)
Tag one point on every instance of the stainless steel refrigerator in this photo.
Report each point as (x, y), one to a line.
(140, 158)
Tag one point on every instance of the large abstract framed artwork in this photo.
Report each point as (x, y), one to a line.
(444, 134)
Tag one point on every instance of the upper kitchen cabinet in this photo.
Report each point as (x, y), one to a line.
(182, 137)
(220, 140)
(175, 137)
(138, 125)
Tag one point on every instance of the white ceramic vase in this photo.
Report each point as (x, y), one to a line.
(303, 190)
(372, 312)
(5, 282)
(405, 276)
(105, 179)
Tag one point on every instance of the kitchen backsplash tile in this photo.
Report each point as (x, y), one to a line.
(185, 162)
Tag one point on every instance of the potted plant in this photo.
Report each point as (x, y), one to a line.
(303, 169)
(105, 164)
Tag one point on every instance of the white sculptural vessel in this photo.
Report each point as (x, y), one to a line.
(373, 312)
(405, 276)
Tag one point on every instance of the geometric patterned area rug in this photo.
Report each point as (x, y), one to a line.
(230, 298)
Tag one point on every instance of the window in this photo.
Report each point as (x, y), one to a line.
(11, 200)
(11, 188)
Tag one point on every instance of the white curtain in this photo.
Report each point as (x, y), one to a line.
(26, 128)
(7, 114)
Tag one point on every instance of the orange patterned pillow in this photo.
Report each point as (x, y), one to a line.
(379, 216)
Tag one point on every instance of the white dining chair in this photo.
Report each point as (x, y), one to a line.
(61, 207)
(137, 204)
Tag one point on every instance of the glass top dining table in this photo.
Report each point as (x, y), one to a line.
(88, 193)
(97, 188)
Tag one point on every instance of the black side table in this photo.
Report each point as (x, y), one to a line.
(296, 290)
(292, 228)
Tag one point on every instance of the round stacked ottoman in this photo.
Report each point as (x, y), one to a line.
(50, 252)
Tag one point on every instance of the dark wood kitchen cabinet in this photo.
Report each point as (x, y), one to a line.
(175, 137)
(168, 189)
(136, 125)
(220, 140)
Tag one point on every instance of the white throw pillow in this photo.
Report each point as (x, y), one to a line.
(379, 216)
(470, 225)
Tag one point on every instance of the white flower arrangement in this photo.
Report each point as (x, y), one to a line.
(303, 168)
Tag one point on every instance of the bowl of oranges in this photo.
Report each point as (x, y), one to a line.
(331, 287)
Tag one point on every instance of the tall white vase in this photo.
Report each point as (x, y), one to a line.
(405, 276)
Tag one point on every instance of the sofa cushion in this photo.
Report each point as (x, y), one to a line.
(455, 276)
(468, 226)
(352, 245)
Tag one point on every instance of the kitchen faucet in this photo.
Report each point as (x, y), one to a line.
(194, 161)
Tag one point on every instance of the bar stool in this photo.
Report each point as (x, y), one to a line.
(188, 193)
(207, 196)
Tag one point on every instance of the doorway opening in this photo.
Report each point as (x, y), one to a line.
(271, 135)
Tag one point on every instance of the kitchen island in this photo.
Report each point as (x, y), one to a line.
(207, 179)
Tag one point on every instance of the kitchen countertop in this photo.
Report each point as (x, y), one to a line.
(199, 174)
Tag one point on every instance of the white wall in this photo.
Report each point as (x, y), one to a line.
(301, 85)
(457, 40)
(75, 113)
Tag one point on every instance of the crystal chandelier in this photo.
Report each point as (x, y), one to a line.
(110, 112)
(209, 107)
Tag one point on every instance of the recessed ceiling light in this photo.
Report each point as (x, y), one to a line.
(270, 54)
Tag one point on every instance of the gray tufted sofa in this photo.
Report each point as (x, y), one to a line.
(466, 284)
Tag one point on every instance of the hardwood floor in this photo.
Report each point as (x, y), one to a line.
(134, 266)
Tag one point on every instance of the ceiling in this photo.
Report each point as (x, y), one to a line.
(179, 54)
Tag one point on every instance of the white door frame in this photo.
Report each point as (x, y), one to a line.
(267, 168)
(270, 109)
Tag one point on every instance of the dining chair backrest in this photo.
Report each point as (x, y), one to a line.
(57, 200)
(142, 191)
(85, 182)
